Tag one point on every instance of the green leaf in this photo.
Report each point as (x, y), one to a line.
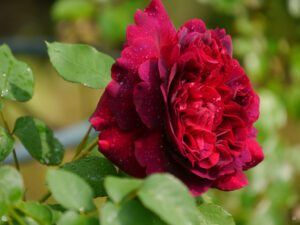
(11, 188)
(26, 220)
(81, 64)
(40, 213)
(38, 139)
(72, 9)
(73, 218)
(213, 214)
(6, 143)
(129, 212)
(70, 190)
(117, 188)
(3, 204)
(93, 170)
(170, 199)
(1, 104)
(56, 211)
(16, 77)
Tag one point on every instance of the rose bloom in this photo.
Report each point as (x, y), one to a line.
(179, 103)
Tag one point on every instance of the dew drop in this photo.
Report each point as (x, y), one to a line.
(81, 209)
(4, 92)
(4, 218)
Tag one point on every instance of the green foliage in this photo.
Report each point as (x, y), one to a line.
(158, 199)
(113, 19)
(170, 199)
(72, 9)
(214, 214)
(81, 63)
(6, 143)
(40, 213)
(93, 170)
(11, 188)
(73, 218)
(38, 139)
(70, 190)
(113, 184)
(1, 104)
(128, 212)
(16, 77)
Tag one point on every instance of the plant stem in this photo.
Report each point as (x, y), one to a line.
(31, 216)
(82, 153)
(82, 143)
(16, 216)
(13, 151)
(87, 149)
(45, 197)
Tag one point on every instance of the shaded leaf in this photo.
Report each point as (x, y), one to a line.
(129, 212)
(6, 143)
(93, 170)
(38, 139)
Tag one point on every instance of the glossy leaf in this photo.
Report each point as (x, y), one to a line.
(117, 188)
(70, 190)
(16, 77)
(38, 139)
(81, 64)
(213, 214)
(129, 212)
(93, 170)
(167, 197)
(6, 143)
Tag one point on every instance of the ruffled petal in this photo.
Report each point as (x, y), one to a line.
(147, 96)
(225, 39)
(153, 26)
(118, 147)
(102, 117)
(232, 181)
(256, 152)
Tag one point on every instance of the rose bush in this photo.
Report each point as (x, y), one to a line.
(179, 103)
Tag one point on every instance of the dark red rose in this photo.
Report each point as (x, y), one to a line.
(179, 103)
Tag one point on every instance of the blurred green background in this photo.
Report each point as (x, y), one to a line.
(266, 40)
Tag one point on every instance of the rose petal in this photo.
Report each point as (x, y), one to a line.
(149, 152)
(256, 152)
(121, 104)
(232, 181)
(149, 104)
(102, 117)
(118, 147)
